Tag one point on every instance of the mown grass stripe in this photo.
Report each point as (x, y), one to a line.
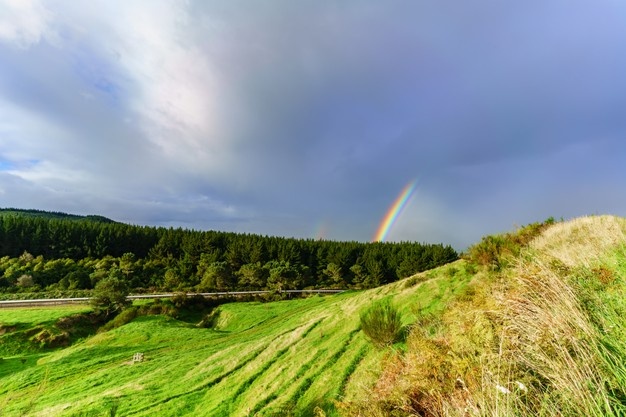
(246, 384)
(229, 403)
(303, 369)
(349, 370)
(209, 384)
(306, 384)
(301, 372)
(310, 329)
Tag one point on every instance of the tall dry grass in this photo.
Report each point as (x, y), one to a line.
(553, 345)
(530, 339)
(581, 241)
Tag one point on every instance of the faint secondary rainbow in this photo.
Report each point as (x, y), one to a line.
(394, 212)
(321, 230)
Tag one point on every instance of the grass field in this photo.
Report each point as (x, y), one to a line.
(530, 323)
(292, 357)
(38, 315)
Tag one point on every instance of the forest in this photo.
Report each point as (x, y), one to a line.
(61, 253)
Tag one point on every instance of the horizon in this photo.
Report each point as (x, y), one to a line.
(215, 230)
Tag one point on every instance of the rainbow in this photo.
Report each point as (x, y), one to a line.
(394, 212)
(321, 230)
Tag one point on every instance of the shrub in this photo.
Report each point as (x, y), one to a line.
(109, 295)
(496, 250)
(381, 323)
(125, 317)
(184, 301)
(25, 281)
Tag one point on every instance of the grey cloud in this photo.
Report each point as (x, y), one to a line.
(272, 117)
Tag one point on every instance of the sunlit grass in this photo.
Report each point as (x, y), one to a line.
(543, 335)
(540, 335)
(40, 314)
(294, 356)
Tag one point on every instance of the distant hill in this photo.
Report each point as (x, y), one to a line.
(53, 215)
(201, 259)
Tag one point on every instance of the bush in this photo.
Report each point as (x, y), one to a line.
(381, 323)
(125, 317)
(496, 250)
(183, 301)
(109, 295)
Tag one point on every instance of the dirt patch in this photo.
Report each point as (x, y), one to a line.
(5, 328)
(48, 339)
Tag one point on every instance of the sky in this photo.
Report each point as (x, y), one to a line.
(311, 118)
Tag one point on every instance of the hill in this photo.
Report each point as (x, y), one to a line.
(290, 357)
(53, 215)
(539, 331)
(529, 323)
(64, 252)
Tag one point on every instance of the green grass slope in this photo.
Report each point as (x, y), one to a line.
(29, 331)
(292, 357)
(529, 323)
(539, 332)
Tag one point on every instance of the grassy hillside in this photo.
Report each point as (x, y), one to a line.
(289, 357)
(529, 323)
(540, 332)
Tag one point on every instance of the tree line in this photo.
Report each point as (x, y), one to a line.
(45, 253)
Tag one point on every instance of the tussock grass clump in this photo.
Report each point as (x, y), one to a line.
(441, 365)
(496, 251)
(552, 343)
(579, 242)
(382, 323)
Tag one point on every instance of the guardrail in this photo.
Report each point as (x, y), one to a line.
(84, 300)
(43, 301)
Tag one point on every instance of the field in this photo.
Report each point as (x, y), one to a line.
(292, 357)
(528, 323)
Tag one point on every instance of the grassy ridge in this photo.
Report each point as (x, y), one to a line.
(293, 357)
(539, 331)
